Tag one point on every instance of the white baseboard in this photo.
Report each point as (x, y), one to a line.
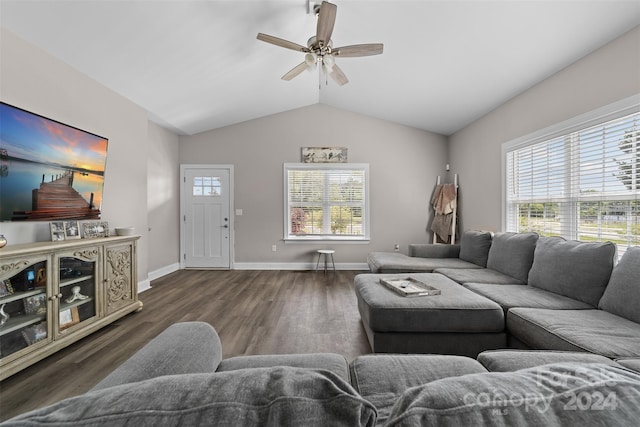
(144, 285)
(156, 274)
(296, 266)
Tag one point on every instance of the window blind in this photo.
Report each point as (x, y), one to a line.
(325, 201)
(583, 185)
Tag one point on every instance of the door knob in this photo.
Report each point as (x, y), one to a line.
(224, 226)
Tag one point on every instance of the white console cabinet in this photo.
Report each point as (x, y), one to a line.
(55, 293)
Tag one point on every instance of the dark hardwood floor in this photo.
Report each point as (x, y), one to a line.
(254, 312)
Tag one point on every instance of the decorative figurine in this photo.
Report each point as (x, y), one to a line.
(3, 316)
(76, 295)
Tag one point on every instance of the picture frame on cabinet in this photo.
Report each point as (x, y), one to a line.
(57, 230)
(36, 304)
(41, 277)
(5, 288)
(35, 333)
(94, 229)
(71, 230)
(69, 317)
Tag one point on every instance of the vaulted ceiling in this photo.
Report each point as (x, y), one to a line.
(196, 65)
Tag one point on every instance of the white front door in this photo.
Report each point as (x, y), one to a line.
(206, 215)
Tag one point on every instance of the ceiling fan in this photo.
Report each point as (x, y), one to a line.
(320, 50)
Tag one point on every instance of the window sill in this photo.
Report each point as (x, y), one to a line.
(324, 240)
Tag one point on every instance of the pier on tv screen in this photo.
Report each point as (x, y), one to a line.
(48, 170)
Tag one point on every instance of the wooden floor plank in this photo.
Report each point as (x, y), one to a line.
(254, 312)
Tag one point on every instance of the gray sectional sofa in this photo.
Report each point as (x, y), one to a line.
(565, 297)
(555, 294)
(180, 379)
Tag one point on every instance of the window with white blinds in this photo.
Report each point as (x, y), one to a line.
(326, 201)
(582, 185)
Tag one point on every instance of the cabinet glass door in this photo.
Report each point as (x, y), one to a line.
(77, 301)
(23, 306)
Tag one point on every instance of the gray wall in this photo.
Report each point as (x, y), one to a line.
(607, 75)
(163, 200)
(404, 163)
(36, 81)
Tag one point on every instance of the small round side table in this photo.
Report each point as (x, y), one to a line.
(327, 253)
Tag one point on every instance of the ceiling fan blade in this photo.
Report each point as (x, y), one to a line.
(295, 71)
(358, 50)
(326, 20)
(282, 42)
(338, 76)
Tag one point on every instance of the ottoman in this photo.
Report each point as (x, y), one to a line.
(458, 321)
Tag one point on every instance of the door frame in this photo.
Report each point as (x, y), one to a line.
(183, 168)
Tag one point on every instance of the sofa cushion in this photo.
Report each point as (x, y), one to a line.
(550, 395)
(434, 250)
(622, 295)
(182, 348)
(632, 363)
(484, 275)
(474, 247)
(514, 360)
(596, 331)
(394, 262)
(332, 362)
(246, 397)
(511, 296)
(512, 254)
(381, 379)
(574, 269)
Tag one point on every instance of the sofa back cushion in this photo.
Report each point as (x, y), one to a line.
(512, 254)
(474, 247)
(578, 270)
(245, 397)
(549, 395)
(165, 355)
(622, 296)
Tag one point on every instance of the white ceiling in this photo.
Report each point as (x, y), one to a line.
(196, 65)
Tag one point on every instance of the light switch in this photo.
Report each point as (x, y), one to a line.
(238, 212)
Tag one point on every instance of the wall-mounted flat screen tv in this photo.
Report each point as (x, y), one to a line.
(48, 170)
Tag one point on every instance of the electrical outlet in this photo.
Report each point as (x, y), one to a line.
(396, 247)
(274, 248)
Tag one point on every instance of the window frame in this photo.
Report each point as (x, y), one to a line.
(366, 221)
(600, 116)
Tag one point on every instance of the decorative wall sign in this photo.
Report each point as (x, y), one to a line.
(324, 155)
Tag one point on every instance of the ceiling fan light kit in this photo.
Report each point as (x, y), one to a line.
(319, 49)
